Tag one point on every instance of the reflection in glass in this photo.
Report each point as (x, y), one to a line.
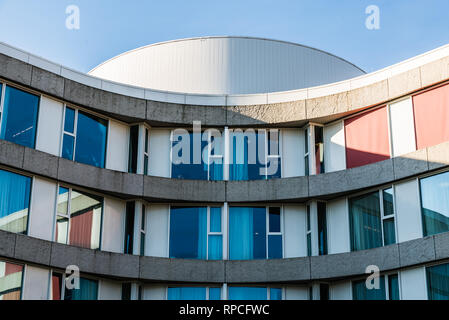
(247, 293)
(10, 281)
(88, 291)
(186, 293)
(438, 282)
(361, 292)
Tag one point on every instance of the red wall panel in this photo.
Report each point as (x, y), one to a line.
(81, 229)
(431, 110)
(367, 138)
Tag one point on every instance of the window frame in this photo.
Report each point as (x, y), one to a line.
(63, 279)
(195, 285)
(386, 276)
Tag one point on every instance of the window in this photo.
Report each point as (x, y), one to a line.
(196, 233)
(438, 282)
(133, 148)
(322, 229)
(308, 232)
(254, 155)
(306, 152)
(88, 290)
(319, 149)
(254, 293)
(146, 152)
(56, 286)
(254, 229)
(393, 287)
(324, 291)
(129, 227)
(18, 120)
(435, 203)
(142, 230)
(78, 219)
(390, 281)
(84, 138)
(126, 291)
(11, 280)
(15, 193)
(193, 293)
(372, 224)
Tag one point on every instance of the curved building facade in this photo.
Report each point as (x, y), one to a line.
(180, 171)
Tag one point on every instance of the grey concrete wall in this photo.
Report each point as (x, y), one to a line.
(30, 250)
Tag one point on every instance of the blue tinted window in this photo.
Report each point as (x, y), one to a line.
(389, 232)
(19, 118)
(438, 282)
(435, 203)
(88, 291)
(91, 135)
(186, 293)
(275, 219)
(393, 287)
(275, 294)
(195, 168)
(247, 233)
(247, 293)
(361, 292)
(69, 122)
(275, 247)
(215, 247)
(68, 143)
(215, 219)
(14, 201)
(188, 232)
(214, 293)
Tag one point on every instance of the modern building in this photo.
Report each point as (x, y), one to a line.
(224, 168)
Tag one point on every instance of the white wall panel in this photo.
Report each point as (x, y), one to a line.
(154, 292)
(156, 241)
(160, 146)
(340, 291)
(36, 283)
(49, 126)
(109, 290)
(296, 293)
(113, 225)
(408, 211)
(42, 210)
(413, 284)
(117, 151)
(338, 226)
(295, 243)
(334, 147)
(402, 127)
(292, 152)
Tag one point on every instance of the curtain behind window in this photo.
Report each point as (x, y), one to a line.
(361, 292)
(186, 293)
(438, 282)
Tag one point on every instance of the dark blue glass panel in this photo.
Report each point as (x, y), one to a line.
(91, 137)
(438, 282)
(188, 232)
(247, 293)
(14, 201)
(389, 232)
(215, 219)
(67, 147)
(186, 293)
(216, 170)
(260, 233)
(309, 244)
(191, 170)
(275, 219)
(215, 247)
(361, 292)
(393, 287)
(274, 247)
(214, 293)
(19, 118)
(69, 122)
(435, 203)
(88, 291)
(275, 294)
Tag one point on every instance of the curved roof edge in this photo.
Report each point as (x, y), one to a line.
(222, 37)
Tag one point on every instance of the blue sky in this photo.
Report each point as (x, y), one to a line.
(110, 27)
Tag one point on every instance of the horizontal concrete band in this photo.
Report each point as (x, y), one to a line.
(293, 270)
(332, 105)
(157, 189)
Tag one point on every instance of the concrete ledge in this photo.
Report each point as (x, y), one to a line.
(292, 270)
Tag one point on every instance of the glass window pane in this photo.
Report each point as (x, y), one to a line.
(15, 192)
(129, 227)
(142, 244)
(216, 169)
(186, 293)
(10, 281)
(274, 219)
(275, 294)
(438, 282)
(273, 167)
(69, 122)
(389, 232)
(215, 219)
(365, 222)
(309, 244)
(85, 220)
(68, 143)
(247, 233)
(126, 291)
(393, 287)
(324, 291)
(88, 291)
(146, 140)
(388, 202)
(247, 293)
(145, 164)
(273, 142)
(186, 164)
(56, 285)
(274, 247)
(133, 149)
(19, 117)
(435, 203)
(322, 229)
(361, 292)
(214, 293)
(306, 165)
(91, 137)
(215, 247)
(248, 156)
(308, 218)
(188, 232)
(62, 229)
(63, 201)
